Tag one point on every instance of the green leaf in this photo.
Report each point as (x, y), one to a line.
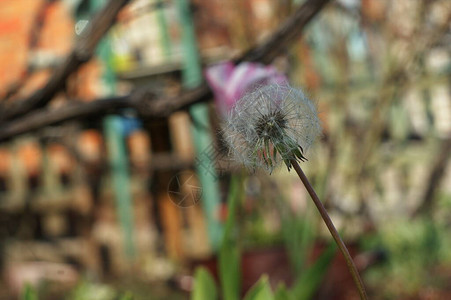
(260, 291)
(298, 237)
(204, 286)
(29, 293)
(308, 283)
(282, 293)
(229, 266)
(229, 253)
(126, 296)
(307, 239)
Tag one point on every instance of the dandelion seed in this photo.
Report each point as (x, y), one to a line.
(271, 124)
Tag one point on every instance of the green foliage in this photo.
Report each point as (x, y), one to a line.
(282, 293)
(260, 291)
(308, 283)
(298, 237)
(126, 296)
(414, 247)
(229, 253)
(204, 286)
(298, 234)
(229, 266)
(29, 293)
(88, 290)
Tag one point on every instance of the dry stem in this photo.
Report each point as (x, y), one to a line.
(351, 266)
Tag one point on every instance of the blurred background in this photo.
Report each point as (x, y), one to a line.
(104, 206)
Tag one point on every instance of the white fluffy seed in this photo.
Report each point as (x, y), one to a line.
(271, 117)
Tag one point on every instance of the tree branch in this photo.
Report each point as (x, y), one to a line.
(81, 53)
(435, 177)
(285, 34)
(143, 101)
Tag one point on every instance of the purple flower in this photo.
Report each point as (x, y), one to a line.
(229, 82)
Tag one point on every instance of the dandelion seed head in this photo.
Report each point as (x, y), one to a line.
(270, 125)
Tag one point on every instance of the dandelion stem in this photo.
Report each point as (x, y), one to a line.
(351, 266)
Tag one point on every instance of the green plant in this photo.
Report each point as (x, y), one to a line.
(229, 266)
(229, 253)
(417, 253)
(204, 286)
(29, 293)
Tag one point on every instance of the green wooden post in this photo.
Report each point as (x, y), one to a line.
(117, 157)
(117, 154)
(192, 77)
(164, 31)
